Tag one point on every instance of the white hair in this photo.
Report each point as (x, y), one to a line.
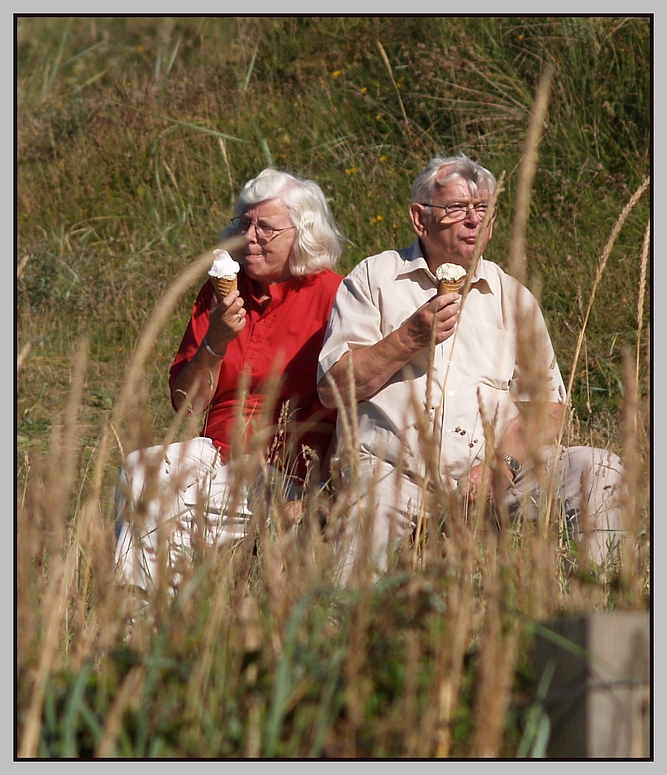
(317, 244)
(456, 167)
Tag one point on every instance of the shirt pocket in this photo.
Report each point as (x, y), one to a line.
(490, 356)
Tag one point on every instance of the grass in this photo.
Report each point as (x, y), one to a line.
(134, 136)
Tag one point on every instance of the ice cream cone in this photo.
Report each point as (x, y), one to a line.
(450, 286)
(224, 285)
(223, 273)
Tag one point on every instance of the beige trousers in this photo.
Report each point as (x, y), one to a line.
(386, 504)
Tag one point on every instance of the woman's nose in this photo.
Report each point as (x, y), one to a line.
(252, 226)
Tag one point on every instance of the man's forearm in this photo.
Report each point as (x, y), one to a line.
(534, 426)
(372, 367)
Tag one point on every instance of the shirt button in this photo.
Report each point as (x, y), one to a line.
(451, 393)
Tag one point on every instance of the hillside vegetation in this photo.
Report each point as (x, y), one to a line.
(134, 137)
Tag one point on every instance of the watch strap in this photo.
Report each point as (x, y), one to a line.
(513, 464)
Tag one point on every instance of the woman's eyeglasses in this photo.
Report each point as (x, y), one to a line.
(262, 230)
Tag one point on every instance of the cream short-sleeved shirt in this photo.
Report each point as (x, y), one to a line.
(476, 373)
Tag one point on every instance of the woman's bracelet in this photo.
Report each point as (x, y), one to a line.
(209, 351)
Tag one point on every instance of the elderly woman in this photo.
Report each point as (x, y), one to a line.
(235, 354)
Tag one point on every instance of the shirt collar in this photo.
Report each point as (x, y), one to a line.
(277, 291)
(413, 261)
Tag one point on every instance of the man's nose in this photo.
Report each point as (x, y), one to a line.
(473, 216)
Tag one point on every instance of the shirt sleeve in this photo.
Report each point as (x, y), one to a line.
(355, 319)
(194, 332)
(537, 376)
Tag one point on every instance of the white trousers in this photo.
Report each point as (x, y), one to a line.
(170, 500)
(588, 485)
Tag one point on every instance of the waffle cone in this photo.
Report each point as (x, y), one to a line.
(450, 286)
(224, 285)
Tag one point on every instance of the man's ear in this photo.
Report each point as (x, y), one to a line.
(417, 218)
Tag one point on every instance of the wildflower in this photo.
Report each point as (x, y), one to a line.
(383, 157)
(351, 171)
(377, 219)
(336, 73)
(364, 89)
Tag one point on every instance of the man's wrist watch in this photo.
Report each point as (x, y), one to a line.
(513, 464)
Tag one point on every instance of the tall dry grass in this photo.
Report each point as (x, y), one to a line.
(261, 654)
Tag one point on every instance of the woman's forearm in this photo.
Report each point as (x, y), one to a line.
(197, 382)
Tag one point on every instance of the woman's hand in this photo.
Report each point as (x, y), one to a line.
(196, 384)
(226, 320)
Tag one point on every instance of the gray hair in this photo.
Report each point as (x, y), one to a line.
(458, 167)
(317, 244)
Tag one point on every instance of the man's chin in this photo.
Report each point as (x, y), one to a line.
(469, 251)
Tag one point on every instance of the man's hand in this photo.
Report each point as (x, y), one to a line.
(441, 311)
(477, 481)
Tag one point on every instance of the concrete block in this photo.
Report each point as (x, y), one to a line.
(598, 699)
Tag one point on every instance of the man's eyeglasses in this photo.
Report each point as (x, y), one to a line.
(263, 231)
(458, 211)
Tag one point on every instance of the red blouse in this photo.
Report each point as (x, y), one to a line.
(285, 335)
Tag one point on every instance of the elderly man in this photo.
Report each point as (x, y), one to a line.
(474, 386)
